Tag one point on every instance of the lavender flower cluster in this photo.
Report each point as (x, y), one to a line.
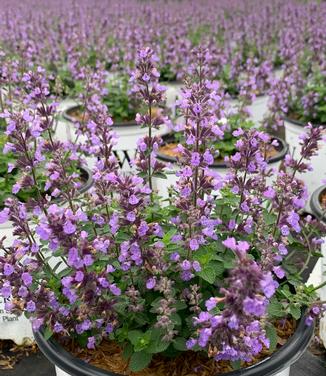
(65, 37)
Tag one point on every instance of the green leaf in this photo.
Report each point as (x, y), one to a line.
(179, 344)
(272, 336)
(127, 351)
(269, 218)
(176, 319)
(139, 339)
(47, 333)
(208, 274)
(134, 336)
(156, 344)
(160, 175)
(236, 364)
(139, 361)
(275, 309)
(179, 305)
(295, 311)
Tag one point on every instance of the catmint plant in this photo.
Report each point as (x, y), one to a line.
(208, 271)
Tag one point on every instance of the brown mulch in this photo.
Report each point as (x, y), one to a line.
(11, 354)
(171, 150)
(78, 115)
(108, 356)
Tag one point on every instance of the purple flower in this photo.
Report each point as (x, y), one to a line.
(309, 320)
(6, 290)
(66, 281)
(4, 215)
(115, 290)
(191, 343)
(186, 275)
(196, 266)
(151, 283)
(285, 230)
(278, 270)
(211, 303)
(131, 216)
(195, 159)
(255, 306)
(16, 188)
(69, 228)
(79, 276)
(269, 285)
(243, 246)
(91, 342)
(88, 260)
(22, 292)
(282, 249)
(204, 336)
(269, 193)
(230, 243)
(186, 265)
(27, 279)
(143, 228)
(193, 244)
(43, 232)
(175, 256)
(30, 306)
(133, 200)
(8, 269)
(57, 327)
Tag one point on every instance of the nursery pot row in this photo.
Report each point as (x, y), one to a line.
(220, 167)
(277, 364)
(128, 134)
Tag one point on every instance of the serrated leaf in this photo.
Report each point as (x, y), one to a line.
(139, 339)
(156, 344)
(295, 311)
(208, 274)
(218, 267)
(272, 336)
(275, 309)
(139, 361)
(134, 336)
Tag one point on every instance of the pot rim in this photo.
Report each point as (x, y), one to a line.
(89, 180)
(315, 202)
(276, 362)
(66, 116)
(280, 156)
(301, 123)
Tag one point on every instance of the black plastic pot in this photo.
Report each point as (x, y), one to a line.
(283, 148)
(67, 116)
(315, 205)
(301, 123)
(278, 361)
(86, 175)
